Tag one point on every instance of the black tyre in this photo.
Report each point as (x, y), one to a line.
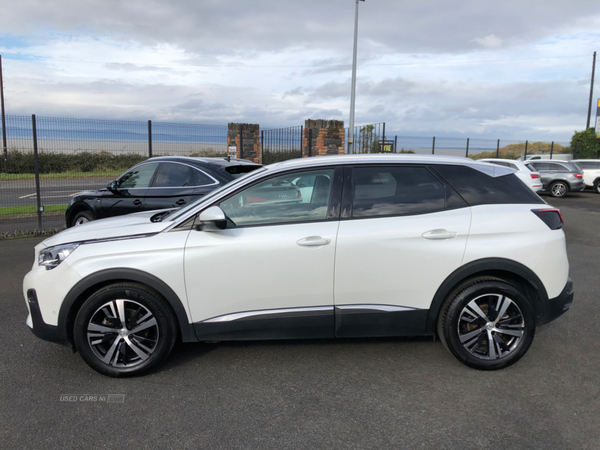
(597, 186)
(82, 217)
(487, 324)
(559, 189)
(124, 330)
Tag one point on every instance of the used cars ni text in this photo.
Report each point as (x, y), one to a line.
(325, 247)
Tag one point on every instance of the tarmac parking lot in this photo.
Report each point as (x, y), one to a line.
(347, 393)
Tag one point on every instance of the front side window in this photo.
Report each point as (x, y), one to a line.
(389, 191)
(138, 177)
(290, 198)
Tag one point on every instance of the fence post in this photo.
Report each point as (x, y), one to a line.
(433, 147)
(467, 155)
(498, 149)
(525, 157)
(262, 145)
(396, 144)
(4, 146)
(301, 141)
(37, 172)
(149, 139)
(382, 138)
(241, 141)
(551, 149)
(309, 142)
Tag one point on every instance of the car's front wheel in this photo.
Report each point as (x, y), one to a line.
(559, 189)
(597, 186)
(487, 324)
(124, 329)
(81, 218)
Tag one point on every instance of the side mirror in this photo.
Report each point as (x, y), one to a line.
(212, 219)
(112, 186)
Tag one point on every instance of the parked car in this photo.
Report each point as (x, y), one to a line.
(559, 177)
(388, 245)
(157, 183)
(524, 172)
(591, 172)
(556, 156)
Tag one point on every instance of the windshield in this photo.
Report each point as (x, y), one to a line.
(174, 215)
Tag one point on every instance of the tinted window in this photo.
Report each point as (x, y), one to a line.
(387, 191)
(499, 163)
(173, 175)
(138, 177)
(478, 188)
(587, 165)
(558, 167)
(541, 166)
(289, 198)
(201, 179)
(512, 166)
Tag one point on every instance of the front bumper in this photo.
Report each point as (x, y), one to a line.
(37, 325)
(556, 307)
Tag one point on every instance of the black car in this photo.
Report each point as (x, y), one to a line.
(157, 183)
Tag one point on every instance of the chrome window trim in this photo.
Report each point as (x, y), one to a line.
(242, 315)
(385, 308)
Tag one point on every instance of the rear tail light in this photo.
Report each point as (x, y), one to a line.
(578, 175)
(535, 176)
(551, 217)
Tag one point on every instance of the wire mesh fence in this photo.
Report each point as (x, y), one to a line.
(50, 159)
(280, 144)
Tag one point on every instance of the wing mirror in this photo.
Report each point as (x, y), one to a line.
(212, 219)
(112, 186)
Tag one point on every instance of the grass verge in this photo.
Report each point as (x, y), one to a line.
(30, 209)
(55, 176)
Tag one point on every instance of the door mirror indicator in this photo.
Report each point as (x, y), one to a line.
(212, 219)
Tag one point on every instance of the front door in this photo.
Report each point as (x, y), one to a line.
(269, 275)
(402, 232)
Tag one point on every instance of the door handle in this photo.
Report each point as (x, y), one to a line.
(439, 234)
(313, 241)
(181, 201)
(137, 202)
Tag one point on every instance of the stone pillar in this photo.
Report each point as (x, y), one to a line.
(327, 137)
(248, 136)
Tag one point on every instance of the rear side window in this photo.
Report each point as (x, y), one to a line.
(201, 179)
(541, 166)
(587, 165)
(558, 168)
(478, 188)
(173, 175)
(390, 191)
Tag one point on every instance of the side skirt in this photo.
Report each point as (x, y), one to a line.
(379, 321)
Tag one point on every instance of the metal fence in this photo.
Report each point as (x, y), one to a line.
(51, 159)
(280, 144)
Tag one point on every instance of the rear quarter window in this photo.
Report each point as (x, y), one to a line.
(478, 188)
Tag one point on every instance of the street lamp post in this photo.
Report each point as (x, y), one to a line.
(353, 89)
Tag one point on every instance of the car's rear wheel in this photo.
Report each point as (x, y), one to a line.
(487, 323)
(124, 329)
(82, 217)
(559, 189)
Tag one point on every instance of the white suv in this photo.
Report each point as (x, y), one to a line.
(368, 245)
(591, 172)
(526, 174)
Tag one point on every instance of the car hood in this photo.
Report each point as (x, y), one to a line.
(112, 228)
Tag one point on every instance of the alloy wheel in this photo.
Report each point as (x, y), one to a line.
(81, 221)
(122, 333)
(559, 190)
(491, 326)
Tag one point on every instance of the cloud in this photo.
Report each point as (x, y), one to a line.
(491, 41)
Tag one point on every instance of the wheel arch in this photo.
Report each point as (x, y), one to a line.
(505, 269)
(92, 283)
(71, 213)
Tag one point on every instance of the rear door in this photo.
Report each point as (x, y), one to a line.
(177, 184)
(402, 232)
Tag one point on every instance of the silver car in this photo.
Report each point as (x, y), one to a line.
(559, 177)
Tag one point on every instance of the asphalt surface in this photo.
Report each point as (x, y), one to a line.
(346, 394)
(53, 191)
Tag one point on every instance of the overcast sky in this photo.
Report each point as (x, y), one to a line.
(493, 69)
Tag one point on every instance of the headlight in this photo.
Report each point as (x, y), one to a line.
(53, 256)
